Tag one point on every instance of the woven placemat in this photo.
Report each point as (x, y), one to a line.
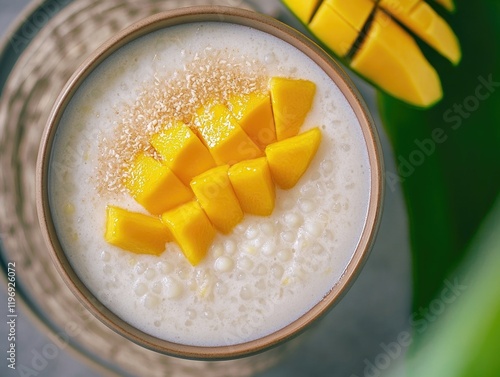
(48, 61)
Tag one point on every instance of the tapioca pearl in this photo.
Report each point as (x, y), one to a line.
(140, 268)
(267, 228)
(345, 147)
(307, 205)
(245, 264)
(183, 273)
(287, 203)
(241, 276)
(157, 323)
(268, 249)
(248, 248)
(221, 288)
(165, 268)
(230, 247)
(292, 219)
(150, 273)
(105, 256)
(252, 232)
(261, 270)
(326, 167)
(246, 293)
(258, 242)
(314, 229)
(277, 271)
(140, 289)
(151, 301)
(157, 287)
(270, 58)
(208, 313)
(191, 313)
(317, 249)
(285, 255)
(172, 288)
(107, 269)
(261, 284)
(288, 236)
(224, 264)
(217, 250)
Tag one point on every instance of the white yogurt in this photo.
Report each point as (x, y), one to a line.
(270, 270)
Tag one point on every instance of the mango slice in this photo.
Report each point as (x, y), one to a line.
(304, 10)
(191, 229)
(155, 186)
(428, 25)
(254, 186)
(254, 114)
(217, 198)
(327, 19)
(183, 152)
(289, 159)
(223, 136)
(135, 232)
(292, 100)
(403, 72)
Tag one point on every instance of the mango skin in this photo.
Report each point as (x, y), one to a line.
(183, 152)
(292, 100)
(254, 186)
(289, 159)
(191, 229)
(155, 186)
(217, 198)
(135, 232)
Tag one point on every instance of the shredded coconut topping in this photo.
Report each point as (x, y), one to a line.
(211, 76)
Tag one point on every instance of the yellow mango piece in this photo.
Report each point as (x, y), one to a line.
(223, 136)
(254, 114)
(403, 71)
(155, 186)
(292, 100)
(428, 25)
(191, 229)
(217, 198)
(325, 21)
(289, 159)
(135, 232)
(303, 9)
(183, 152)
(254, 186)
(354, 12)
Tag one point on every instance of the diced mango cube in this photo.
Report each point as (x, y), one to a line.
(224, 137)
(135, 232)
(254, 186)
(217, 198)
(292, 100)
(327, 19)
(182, 151)
(191, 229)
(289, 159)
(155, 186)
(254, 114)
(304, 10)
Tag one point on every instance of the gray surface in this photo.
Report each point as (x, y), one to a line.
(373, 314)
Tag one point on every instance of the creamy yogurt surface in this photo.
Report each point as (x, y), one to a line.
(270, 270)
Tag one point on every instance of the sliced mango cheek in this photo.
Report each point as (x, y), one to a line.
(404, 73)
(303, 9)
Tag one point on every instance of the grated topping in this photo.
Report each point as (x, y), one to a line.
(211, 76)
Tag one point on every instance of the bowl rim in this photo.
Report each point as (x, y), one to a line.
(270, 26)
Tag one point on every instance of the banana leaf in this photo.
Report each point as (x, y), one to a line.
(448, 156)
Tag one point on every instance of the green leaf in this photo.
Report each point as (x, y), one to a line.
(464, 341)
(448, 156)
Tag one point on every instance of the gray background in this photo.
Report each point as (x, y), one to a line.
(353, 335)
